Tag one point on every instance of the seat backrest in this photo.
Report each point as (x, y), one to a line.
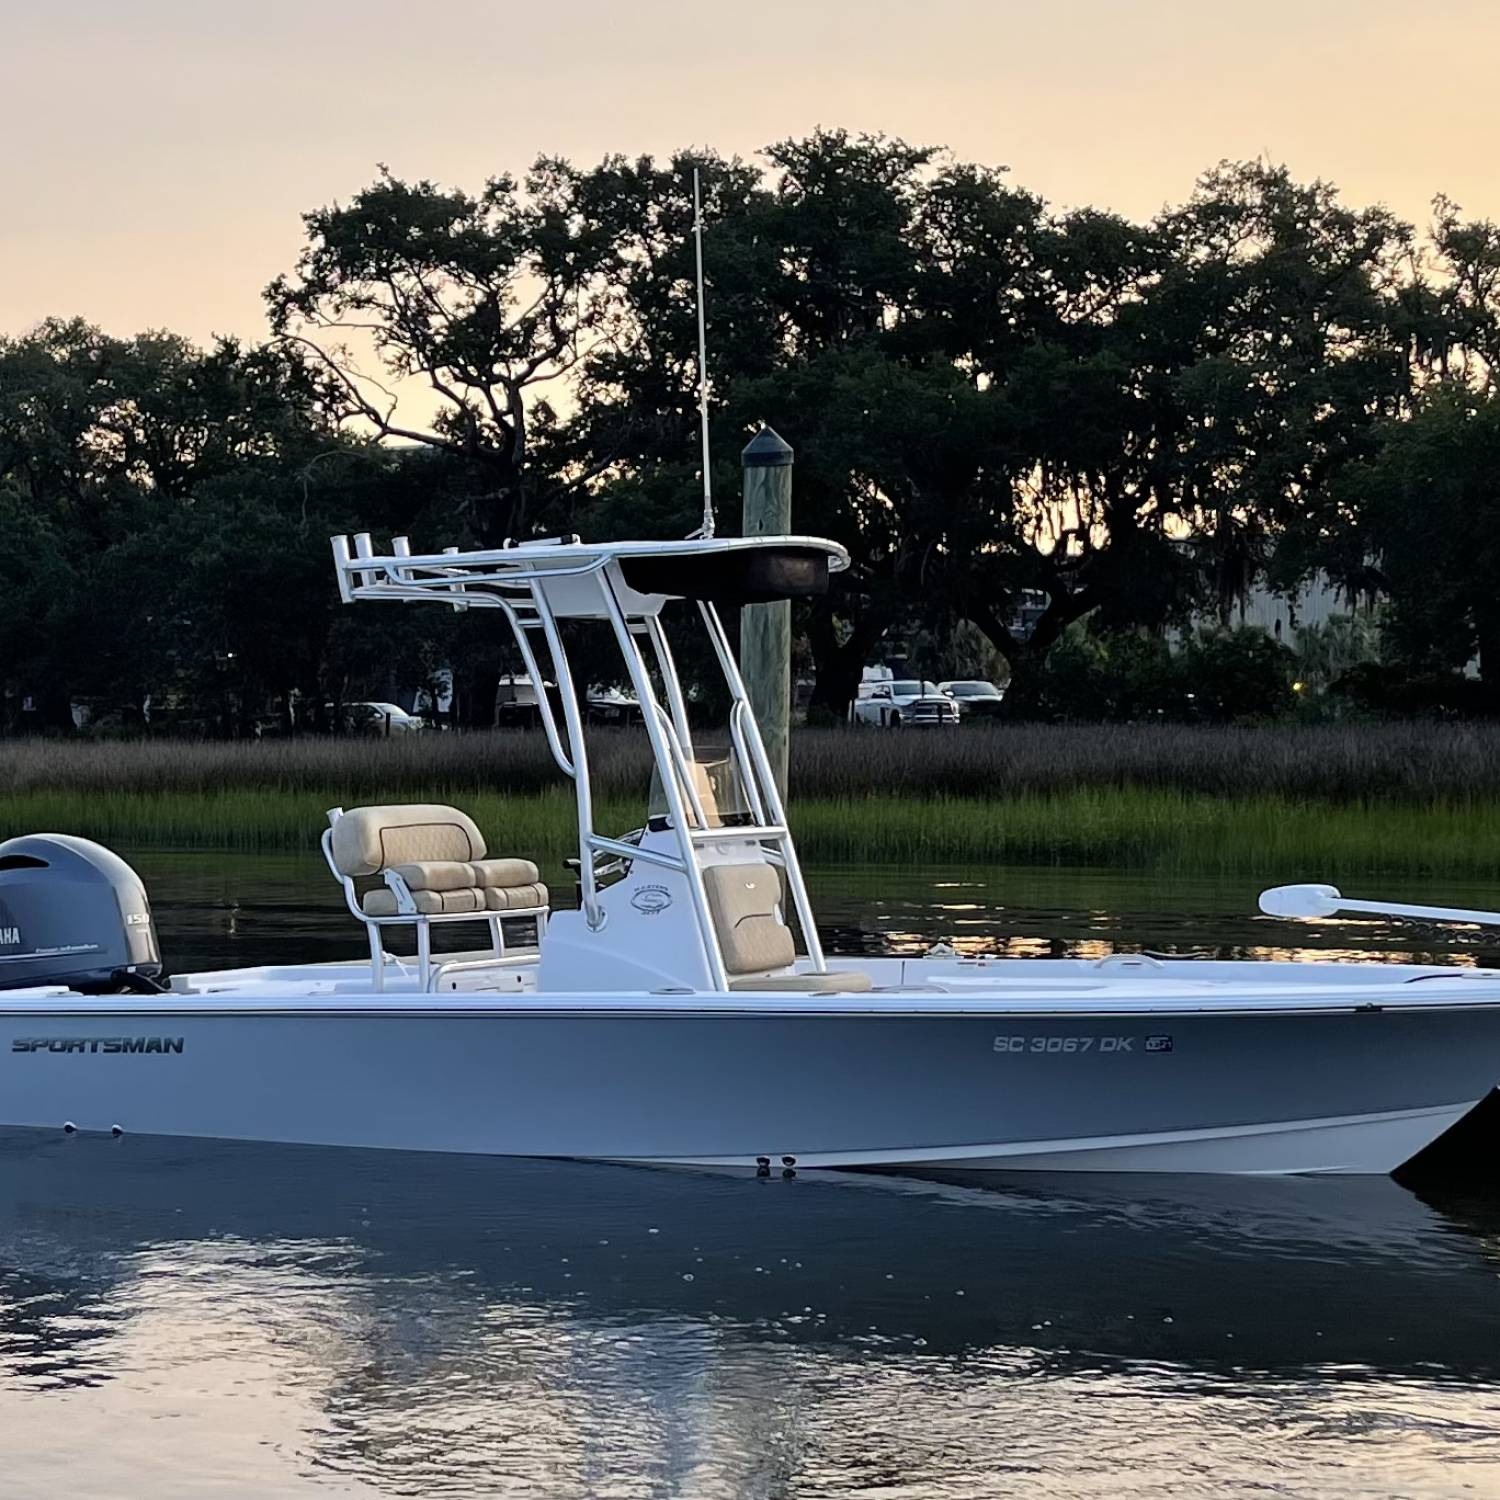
(369, 840)
(744, 902)
(708, 798)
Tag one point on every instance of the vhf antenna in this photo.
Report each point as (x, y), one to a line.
(707, 527)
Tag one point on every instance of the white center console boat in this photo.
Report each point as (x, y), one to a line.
(685, 1011)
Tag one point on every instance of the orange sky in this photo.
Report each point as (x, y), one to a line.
(158, 152)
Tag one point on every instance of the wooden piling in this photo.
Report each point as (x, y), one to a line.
(766, 629)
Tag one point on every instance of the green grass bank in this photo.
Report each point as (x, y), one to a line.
(1415, 798)
(1125, 827)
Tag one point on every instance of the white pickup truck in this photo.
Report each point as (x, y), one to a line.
(901, 702)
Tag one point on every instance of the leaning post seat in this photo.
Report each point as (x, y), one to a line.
(434, 867)
(745, 903)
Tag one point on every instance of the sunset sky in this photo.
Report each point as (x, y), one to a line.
(158, 153)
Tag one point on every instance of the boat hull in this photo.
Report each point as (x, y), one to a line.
(1353, 1091)
(1359, 1145)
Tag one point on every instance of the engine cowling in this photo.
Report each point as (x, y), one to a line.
(73, 913)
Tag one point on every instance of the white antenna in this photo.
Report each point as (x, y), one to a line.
(707, 526)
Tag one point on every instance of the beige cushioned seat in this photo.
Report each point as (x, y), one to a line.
(504, 872)
(806, 984)
(514, 897)
(367, 840)
(381, 902)
(743, 901)
(437, 875)
(440, 854)
(708, 799)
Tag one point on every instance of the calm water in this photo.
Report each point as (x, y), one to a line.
(215, 910)
(193, 1320)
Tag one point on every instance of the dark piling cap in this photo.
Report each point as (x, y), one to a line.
(766, 450)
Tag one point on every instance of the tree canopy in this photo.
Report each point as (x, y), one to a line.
(1021, 422)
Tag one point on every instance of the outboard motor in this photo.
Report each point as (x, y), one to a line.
(73, 913)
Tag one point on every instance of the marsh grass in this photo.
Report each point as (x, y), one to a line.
(1127, 828)
(1418, 763)
(267, 819)
(1423, 798)
(1167, 830)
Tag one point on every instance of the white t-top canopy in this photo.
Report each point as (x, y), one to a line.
(725, 570)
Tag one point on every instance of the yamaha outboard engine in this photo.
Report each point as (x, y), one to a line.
(73, 913)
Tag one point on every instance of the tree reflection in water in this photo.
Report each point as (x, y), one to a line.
(285, 1319)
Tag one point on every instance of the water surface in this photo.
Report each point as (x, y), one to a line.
(184, 1319)
(215, 910)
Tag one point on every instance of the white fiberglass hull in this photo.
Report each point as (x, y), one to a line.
(1358, 1145)
(1135, 1075)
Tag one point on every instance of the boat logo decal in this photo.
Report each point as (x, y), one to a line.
(161, 1044)
(10, 935)
(66, 950)
(1158, 1044)
(650, 899)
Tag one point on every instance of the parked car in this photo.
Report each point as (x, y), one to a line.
(976, 700)
(380, 718)
(901, 702)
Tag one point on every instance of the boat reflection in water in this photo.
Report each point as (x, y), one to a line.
(379, 1323)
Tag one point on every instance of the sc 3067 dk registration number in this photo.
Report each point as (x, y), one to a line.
(1065, 1044)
